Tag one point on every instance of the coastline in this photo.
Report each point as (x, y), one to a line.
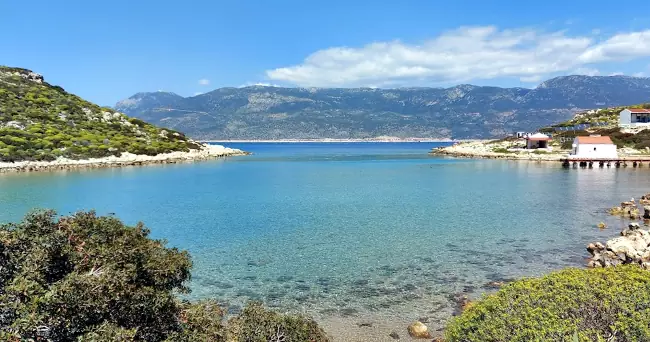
(126, 159)
(479, 149)
(373, 140)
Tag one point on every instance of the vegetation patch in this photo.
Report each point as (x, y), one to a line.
(39, 121)
(91, 278)
(603, 304)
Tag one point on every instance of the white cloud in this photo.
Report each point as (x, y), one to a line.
(204, 82)
(616, 73)
(197, 93)
(461, 55)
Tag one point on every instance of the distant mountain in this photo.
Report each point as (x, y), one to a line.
(40, 121)
(463, 111)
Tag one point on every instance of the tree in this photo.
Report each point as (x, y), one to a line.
(91, 278)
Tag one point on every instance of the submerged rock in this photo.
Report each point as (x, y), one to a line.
(394, 335)
(418, 330)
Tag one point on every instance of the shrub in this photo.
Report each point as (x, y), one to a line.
(255, 324)
(91, 278)
(501, 150)
(605, 304)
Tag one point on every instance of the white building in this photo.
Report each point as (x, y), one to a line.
(633, 117)
(594, 147)
(537, 140)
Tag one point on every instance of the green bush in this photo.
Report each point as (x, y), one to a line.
(501, 150)
(91, 278)
(605, 304)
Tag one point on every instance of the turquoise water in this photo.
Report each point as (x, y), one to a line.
(349, 229)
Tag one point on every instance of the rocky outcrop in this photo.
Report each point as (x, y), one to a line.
(126, 159)
(632, 247)
(627, 209)
(418, 330)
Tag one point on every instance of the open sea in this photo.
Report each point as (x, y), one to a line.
(349, 230)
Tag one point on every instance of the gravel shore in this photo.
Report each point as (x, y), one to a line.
(126, 159)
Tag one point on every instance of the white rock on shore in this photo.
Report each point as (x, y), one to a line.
(632, 247)
(126, 159)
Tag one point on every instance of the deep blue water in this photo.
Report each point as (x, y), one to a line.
(349, 228)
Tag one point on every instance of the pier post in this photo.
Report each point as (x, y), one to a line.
(591, 164)
(609, 164)
(624, 164)
(565, 163)
(575, 164)
(633, 164)
(618, 164)
(601, 164)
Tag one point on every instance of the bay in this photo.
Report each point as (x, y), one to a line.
(346, 230)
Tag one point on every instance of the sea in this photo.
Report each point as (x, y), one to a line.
(349, 230)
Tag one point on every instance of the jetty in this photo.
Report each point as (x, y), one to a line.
(588, 162)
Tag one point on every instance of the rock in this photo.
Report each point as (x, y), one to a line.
(394, 335)
(602, 225)
(616, 211)
(418, 330)
(646, 212)
(498, 284)
(364, 324)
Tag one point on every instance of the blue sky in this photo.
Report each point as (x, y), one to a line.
(106, 51)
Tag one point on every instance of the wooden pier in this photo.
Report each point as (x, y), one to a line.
(605, 162)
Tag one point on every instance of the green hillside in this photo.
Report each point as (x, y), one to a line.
(39, 121)
(600, 121)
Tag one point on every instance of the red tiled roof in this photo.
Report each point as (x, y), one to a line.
(594, 140)
(638, 110)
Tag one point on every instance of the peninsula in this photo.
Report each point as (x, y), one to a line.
(43, 127)
(631, 142)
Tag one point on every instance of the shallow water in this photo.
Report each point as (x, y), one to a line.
(349, 229)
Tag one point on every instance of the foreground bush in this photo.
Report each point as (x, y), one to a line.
(91, 278)
(606, 304)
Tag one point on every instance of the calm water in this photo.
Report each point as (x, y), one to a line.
(349, 229)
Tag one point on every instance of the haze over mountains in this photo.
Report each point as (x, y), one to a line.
(460, 112)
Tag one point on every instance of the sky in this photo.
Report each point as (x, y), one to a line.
(106, 51)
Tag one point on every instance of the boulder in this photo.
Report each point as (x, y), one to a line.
(418, 330)
(646, 212)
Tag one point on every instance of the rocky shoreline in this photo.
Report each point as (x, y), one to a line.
(486, 150)
(633, 244)
(126, 159)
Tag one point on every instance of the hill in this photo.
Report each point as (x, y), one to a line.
(463, 111)
(39, 121)
(603, 121)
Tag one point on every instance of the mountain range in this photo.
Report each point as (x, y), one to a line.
(459, 112)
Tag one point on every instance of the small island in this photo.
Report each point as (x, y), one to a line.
(43, 127)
